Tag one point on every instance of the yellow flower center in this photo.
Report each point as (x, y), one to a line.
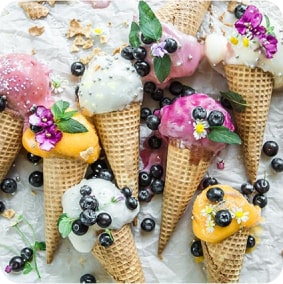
(234, 40)
(208, 210)
(239, 214)
(246, 42)
(98, 31)
(199, 128)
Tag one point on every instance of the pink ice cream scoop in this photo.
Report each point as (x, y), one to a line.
(24, 81)
(191, 119)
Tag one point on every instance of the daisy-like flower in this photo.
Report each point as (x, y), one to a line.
(200, 129)
(58, 84)
(210, 224)
(208, 210)
(239, 215)
(158, 49)
(42, 117)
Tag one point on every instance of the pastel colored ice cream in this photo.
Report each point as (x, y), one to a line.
(243, 214)
(24, 81)
(110, 200)
(110, 83)
(177, 122)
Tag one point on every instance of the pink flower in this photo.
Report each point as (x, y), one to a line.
(48, 137)
(269, 44)
(158, 49)
(8, 269)
(42, 117)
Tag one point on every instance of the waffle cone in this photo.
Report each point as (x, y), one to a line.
(59, 174)
(118, 132)
(185, 15)
(11, 128)
(121, 259)
(185, 169)
(255, 86)
(224, 260)
(34, 10)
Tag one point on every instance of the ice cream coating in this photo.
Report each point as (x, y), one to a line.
(110, 83)
(235, 202)
(74, 145)
(177, 121)
(110, 200)
(24, 81)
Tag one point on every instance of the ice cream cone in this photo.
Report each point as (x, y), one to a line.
(224, 260)
(119, 134)
(34, 10)
(184, 170)
(121, 259)
(255, 86)
(186, 15)
(59, 174)
(11, 125)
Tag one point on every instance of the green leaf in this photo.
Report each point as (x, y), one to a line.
(149, 23)
(71, 126)
(40, 246)
(64, 225)
(237, 102)
(108, 231)
(27, 268)
(134, 38)
(69, 114)
(222, 134)
(162, 67)
(58, 109)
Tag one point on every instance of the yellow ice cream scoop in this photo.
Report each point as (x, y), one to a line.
(219, 211)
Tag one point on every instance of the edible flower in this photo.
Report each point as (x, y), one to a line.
(158, 49)
(239, 215)
(269, 44)
(58, 84)
(42, 117)
(200, 127)
(210, 224)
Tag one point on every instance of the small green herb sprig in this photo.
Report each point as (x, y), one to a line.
(236, 100)
(222, 134)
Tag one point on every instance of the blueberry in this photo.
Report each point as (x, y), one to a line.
(215, 194)
(157, 186)
(89, 202)
(175, 88)
(34, 128)
(247, 188)
(260, 200)
(87, 278)
(270, 148)
(85, 190)
(157, 95)
(149, 87)
(148, 224)
(223, 218)
(187, 91)
(147, 40)
(154, 142)
(106, 174)
(262, 186)
(142, 68)
(145, 112)
(2, 207)
(127, 53)
(27, 254)
(88, 217)
(156, 171)
(239, 10)
(165, 102)
(207, 181)
(144, 195)
(152, 122)
(33, 158)
(103, 220)
(77, 68)
(277, 165)
(131, 203)
(17, 263)
(215, 118)
(36, 179)
(251, 241)
(9, 185)
(79, 228)
(139, 53)
(98, 165)
(199, 113)
(171, 45)
(3, 102)
(196, 249)
(144, 178)
(105, 240)
(126, 191)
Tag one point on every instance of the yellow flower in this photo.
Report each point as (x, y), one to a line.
(234, 40)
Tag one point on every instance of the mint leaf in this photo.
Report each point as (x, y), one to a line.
(39, 246)
(58, 109)
(134, 38)
(149, 23)
(68, 115)
(27, 268)
(71, 126)
(162, 67)
(64, 225)
(223, 134)
(237, 102)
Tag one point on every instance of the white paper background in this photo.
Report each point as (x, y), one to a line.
(178, 265)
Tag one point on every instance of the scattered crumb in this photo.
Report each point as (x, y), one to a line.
(36, 30)
(9, 213)
(103, 39)
(88, 44)
(34, 10)
(117, 50)
(232, 5)
(87, 59)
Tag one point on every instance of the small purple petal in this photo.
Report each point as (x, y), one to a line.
(269, 44)
(48, 137)
(158, 49)
(42, 117)
(8, 269)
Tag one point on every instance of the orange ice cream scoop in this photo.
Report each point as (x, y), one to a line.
(61, 132)
(219, 211)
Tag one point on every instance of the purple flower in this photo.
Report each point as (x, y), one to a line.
(42, 117)
(269, 44)
(158, 49)
(8, 268)
(48, 137)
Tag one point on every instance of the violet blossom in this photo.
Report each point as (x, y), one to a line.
(158, 49)
(8, 268)
(42, 117)
(269, 44)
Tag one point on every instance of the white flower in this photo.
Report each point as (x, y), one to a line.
(200, 127)
(239, 215)
(58, 84)
(208, 210)
(210, 224)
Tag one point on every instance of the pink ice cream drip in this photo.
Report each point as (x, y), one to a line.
(25, 82)
(177, 121)
(185, 60)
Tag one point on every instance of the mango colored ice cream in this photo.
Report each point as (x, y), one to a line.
(207, 222)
